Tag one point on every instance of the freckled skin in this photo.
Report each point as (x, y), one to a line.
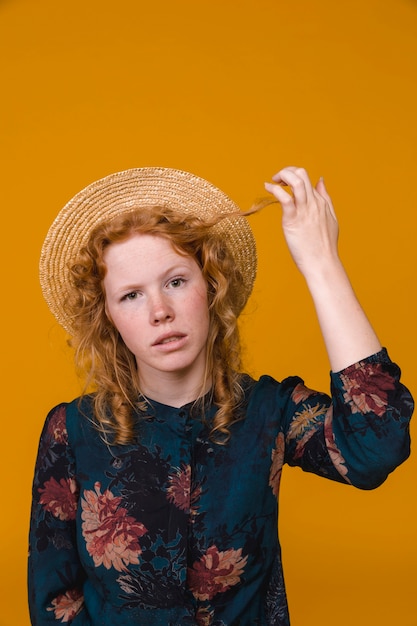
(157, 300)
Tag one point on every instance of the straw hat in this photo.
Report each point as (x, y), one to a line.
(125, 191)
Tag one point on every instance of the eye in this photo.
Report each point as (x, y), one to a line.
(176, 282)
(130, 296)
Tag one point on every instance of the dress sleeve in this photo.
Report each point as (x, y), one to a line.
(55, 575)
(358, 436)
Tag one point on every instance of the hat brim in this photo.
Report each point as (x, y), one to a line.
(121, 193)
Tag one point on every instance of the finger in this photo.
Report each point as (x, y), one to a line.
(288, 168)
(277, 190)
(322, 191)
(283, 197)
(321, 188)
(299, 181)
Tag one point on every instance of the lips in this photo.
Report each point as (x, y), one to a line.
(168, 338)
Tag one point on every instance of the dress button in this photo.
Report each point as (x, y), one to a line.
(182, 413)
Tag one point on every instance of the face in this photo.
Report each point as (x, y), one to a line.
(157, 300)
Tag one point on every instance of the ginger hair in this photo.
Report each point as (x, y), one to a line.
(110, 367)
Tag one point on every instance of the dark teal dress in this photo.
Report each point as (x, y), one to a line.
(177, 530)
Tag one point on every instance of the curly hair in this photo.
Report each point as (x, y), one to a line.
(99, 349)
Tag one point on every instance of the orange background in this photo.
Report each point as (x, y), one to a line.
(232, 91)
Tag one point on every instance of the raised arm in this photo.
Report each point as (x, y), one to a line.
(311, 231)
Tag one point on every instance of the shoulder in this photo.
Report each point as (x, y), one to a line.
(267, 386)
(77, 406)
(64, 420)
(279, 401)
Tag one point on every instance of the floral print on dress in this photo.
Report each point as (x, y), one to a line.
(179, 491)
(304, 420)
(67, 605)
(304, 425)
(278, 454)
(334, 453)
(204, 616)
(216, 572)
(366, 388)
(57, 428)
(301, 393)
(176, 530)
(111, 535)
(61, 499)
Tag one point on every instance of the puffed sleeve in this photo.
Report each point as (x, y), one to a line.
(55, 575)
(358, 436)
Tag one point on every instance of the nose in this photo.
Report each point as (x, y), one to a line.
(160, 309)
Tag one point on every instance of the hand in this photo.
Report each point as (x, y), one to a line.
(308, 219)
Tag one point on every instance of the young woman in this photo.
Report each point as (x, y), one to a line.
(155, 495)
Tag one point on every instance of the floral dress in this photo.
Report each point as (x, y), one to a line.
(177, 530)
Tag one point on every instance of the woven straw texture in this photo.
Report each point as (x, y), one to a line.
(123, 192)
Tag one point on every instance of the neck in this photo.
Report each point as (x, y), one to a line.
(173, 389)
